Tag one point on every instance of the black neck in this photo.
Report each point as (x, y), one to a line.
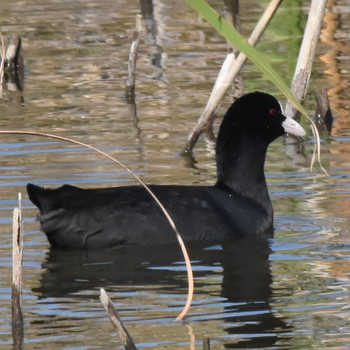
(240, 169)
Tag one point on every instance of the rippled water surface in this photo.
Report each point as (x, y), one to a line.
(291, 292)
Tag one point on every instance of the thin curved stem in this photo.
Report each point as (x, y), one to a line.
(165, 212)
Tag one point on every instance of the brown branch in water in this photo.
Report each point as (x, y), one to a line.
(147, 188)
(17, 262)
(229, 70)
(116, 321)
(130, 84)
(306, 57)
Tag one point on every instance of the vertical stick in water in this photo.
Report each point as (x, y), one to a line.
(130, 85)
(17, 257)
(117, 322)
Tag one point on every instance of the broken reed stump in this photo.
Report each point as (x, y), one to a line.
(324, 116)
(130, 84)
(116, 321)
(17, 261)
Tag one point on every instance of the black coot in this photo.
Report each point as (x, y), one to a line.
(238, 205)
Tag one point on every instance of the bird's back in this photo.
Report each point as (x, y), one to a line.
(98, 218)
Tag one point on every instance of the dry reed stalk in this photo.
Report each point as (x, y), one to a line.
(116, 321)
(302, 73)
(17, 261)
(130, 84)
(228, 72)
(17, 251)
(306, 57)
(147, 188)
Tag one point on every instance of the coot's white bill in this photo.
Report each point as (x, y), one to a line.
(292, 127)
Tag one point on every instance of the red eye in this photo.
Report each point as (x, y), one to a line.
(273, 111)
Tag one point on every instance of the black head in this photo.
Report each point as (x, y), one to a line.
(257, 116)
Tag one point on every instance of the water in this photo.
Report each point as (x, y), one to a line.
(289, 292)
